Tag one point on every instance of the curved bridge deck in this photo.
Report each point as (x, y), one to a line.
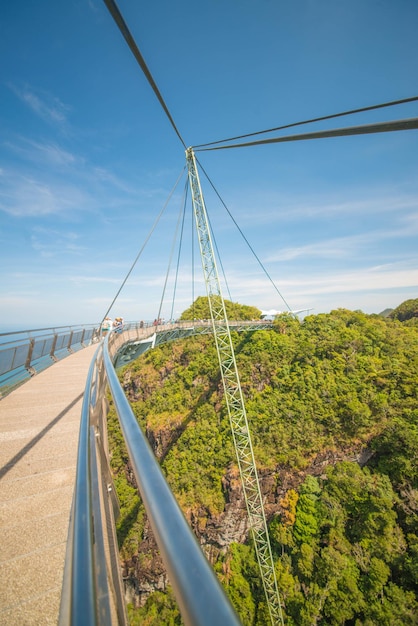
(39, 427)
(39, 431)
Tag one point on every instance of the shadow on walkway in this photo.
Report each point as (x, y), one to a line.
(6, 468)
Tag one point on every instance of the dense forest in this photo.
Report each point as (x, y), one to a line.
(333, 410)
(235, 311)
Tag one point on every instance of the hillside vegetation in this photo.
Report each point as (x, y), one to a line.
(235, 311)
(408, 310)
(333, 410)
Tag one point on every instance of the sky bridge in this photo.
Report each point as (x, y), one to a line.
(42, 436)
(58, 557)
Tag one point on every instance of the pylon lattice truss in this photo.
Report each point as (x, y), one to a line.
(234, 398)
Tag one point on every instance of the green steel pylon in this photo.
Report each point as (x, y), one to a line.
(234, 399)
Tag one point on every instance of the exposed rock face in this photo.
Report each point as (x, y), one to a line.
(145, 573)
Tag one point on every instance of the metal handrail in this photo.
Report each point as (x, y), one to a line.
(37, 331)
(25, 353)
(92, 584)
(79, 592)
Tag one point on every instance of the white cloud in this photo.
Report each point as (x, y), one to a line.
(54, 243)
(305, 290)
(365, 279)
(346, 247)
(41, 153)
(271, 208)
(48, 179)
(93, 279)
(47, 106)
(32, 195)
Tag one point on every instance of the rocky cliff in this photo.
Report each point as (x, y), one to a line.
(144, 573)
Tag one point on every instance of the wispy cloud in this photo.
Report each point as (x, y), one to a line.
(45, 105)
(382, 278)
(94, 279)
(346, 247)
(42, 153)
(47, 178)
(327, 280)
(271, 208)
(29, 195)
(50, 243)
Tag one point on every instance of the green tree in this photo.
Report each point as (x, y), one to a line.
(305, 529)
(200, 310)
(238, 571)
(395, 451)
(160, 608)
(406, 310)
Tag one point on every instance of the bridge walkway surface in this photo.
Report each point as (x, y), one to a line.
(39, 428)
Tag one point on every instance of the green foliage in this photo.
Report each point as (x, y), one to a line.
(396, 449)
(347, 565)
(405, 311)
(160, 608)
(195, 467)
(200, 310)
(238, 571)
(306, 525)
(130, 523)
(345, 542)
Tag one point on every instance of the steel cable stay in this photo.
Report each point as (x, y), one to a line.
(244, 237)
(310, 121)
(365, 129)
(182, 212)
(180, 220)
(186, 187)
(381, 127)
(117, 16)
(219, 257)
(192, 248)
(148, 237)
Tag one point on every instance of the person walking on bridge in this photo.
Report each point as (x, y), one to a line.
(118, 324)
(106, 326)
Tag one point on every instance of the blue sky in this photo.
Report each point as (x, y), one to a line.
(88, 158)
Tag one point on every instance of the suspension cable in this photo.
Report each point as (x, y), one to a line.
(315, 119)
(380, 127)
(186, 187)
(244, 237)
(193, 236)
(117, 16)
(144, 244)
(169, 261)
(215, 243)
(373, 128)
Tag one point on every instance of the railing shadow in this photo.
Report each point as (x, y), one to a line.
(10, 464)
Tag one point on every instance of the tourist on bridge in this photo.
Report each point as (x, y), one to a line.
(106, 325)
(118, 324)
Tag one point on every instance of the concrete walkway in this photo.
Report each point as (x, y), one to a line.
(39, 426)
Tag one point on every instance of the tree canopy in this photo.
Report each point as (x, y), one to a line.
(333, 411)
(199, 310)
(405, 311)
